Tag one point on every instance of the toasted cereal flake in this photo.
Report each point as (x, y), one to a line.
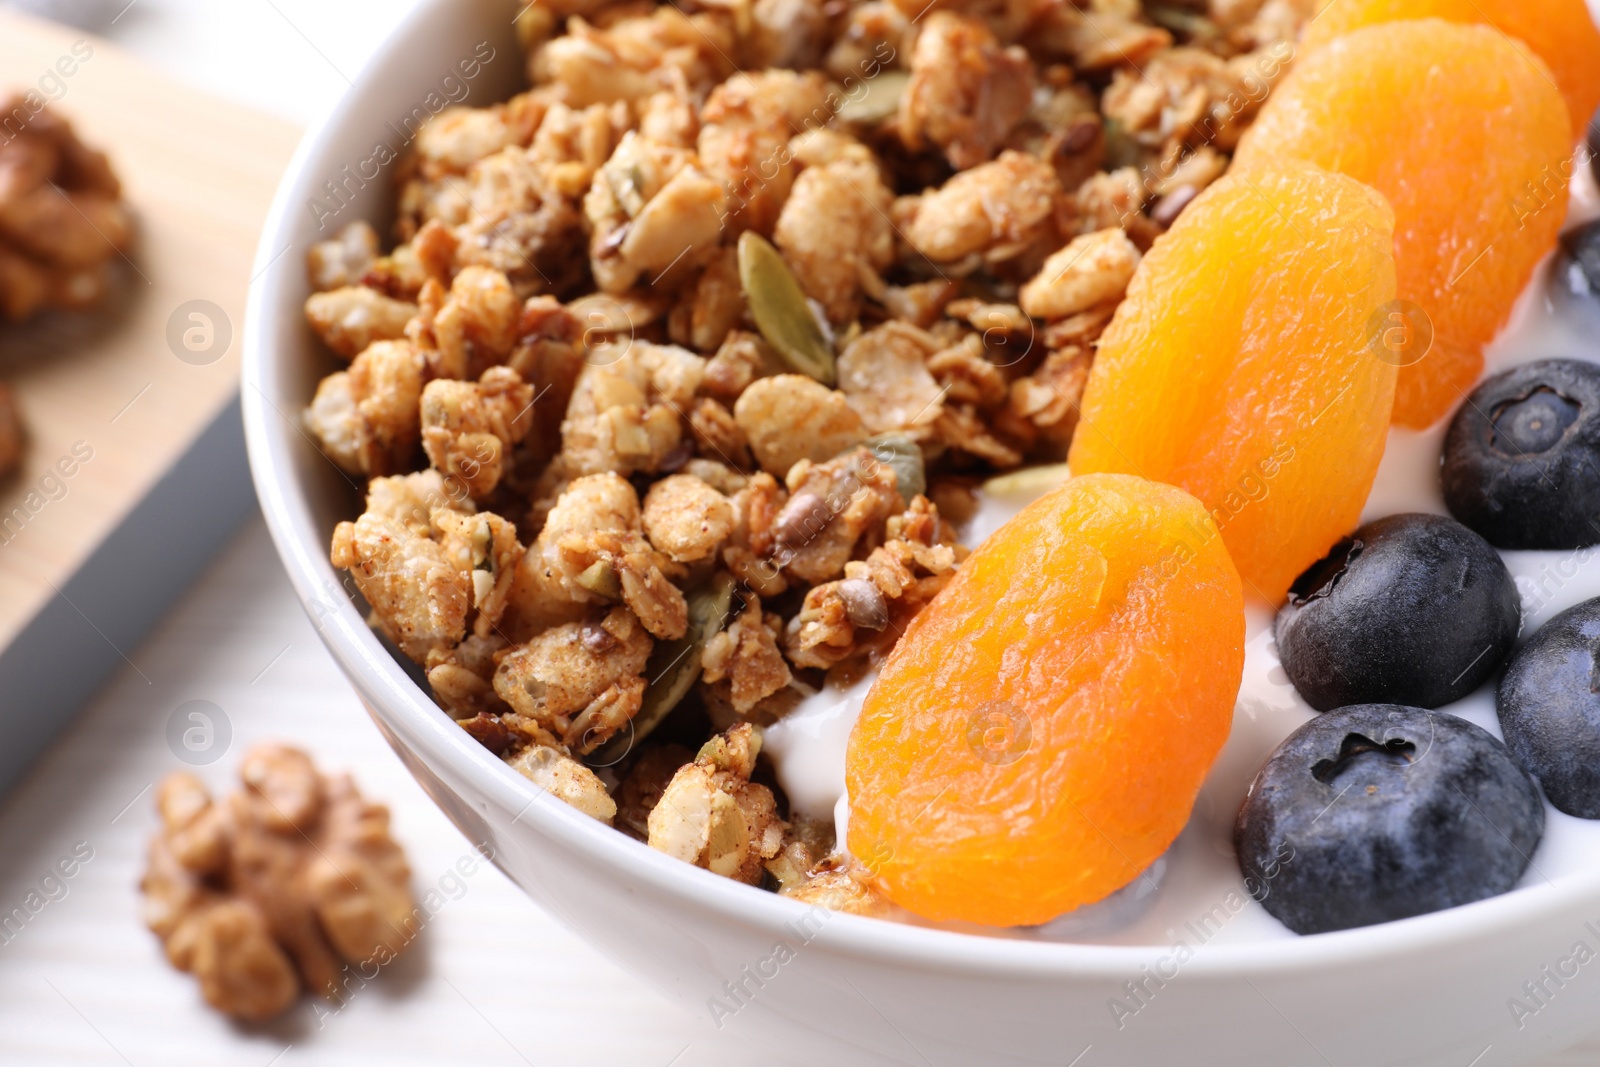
(350, 319)
(366, 418)
(835, 226)
(966, 91)
(344, 260)
(1089, 271)
(469, 429)
(686, 518)
(884, 373)
(1003, 201)
(790, 417)
(565, 779)
(581, 691)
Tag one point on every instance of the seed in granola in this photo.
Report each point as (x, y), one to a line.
(780, 309)
(1033, 481)
(902, 453)
(1169, 207)
(674, 666)
(596, 638)
(1185, 23)
(879, 100)
(864, 604)
(601, 579)
(674, 461)
(802, 518)
(1121, 149)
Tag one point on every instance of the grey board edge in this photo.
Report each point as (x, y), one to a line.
(61, 657)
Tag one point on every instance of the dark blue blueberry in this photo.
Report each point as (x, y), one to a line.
(1411, 609)
(1594, 145)
(1379, 812)
(1522, 458)
(1574, 281)
(1550, 709)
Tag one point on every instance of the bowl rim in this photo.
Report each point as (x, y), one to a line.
(393, 696)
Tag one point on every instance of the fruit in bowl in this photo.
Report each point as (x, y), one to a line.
(1481, 109)
(499, 266)
(1039, 735)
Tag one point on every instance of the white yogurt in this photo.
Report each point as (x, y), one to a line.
(808, 747)
(1194, 894)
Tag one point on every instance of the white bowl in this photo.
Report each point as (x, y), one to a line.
(1431, 990)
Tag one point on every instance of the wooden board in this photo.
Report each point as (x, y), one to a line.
(199, 174)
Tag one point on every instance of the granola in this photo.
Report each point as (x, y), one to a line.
(689, 357)
(63, 225)
(12, 435)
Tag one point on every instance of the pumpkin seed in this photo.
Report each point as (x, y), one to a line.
(674, 667)
(1121, 149)
(1184, 23)
(601, 579)
(781, 312)
(902, 453)
(880, 100)
(627, 185)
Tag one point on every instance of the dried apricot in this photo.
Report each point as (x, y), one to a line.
(1238, 367)
(1468, 137)
(1560, 32)
(1038, 736)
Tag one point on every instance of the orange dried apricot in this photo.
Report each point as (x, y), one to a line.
(1239, 366)
(1468, 137)
(1560, 32)
(1038, 736)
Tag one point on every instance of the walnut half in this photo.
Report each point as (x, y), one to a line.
(286, 884)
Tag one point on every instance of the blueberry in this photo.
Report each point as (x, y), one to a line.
(1550, 709)
(1594, 145)
(1574, 281)
(1379, 812)
(1411, 609)
(1522, 457)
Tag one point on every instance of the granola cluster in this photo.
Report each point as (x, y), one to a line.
(680, 378)
(13, 437)
(282, 885)
(62, 221)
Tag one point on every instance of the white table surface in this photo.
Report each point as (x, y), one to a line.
(493, 979)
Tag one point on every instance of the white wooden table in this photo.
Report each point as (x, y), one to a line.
(493, 979)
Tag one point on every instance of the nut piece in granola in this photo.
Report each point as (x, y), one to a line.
(280, 886)
(713, 816)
